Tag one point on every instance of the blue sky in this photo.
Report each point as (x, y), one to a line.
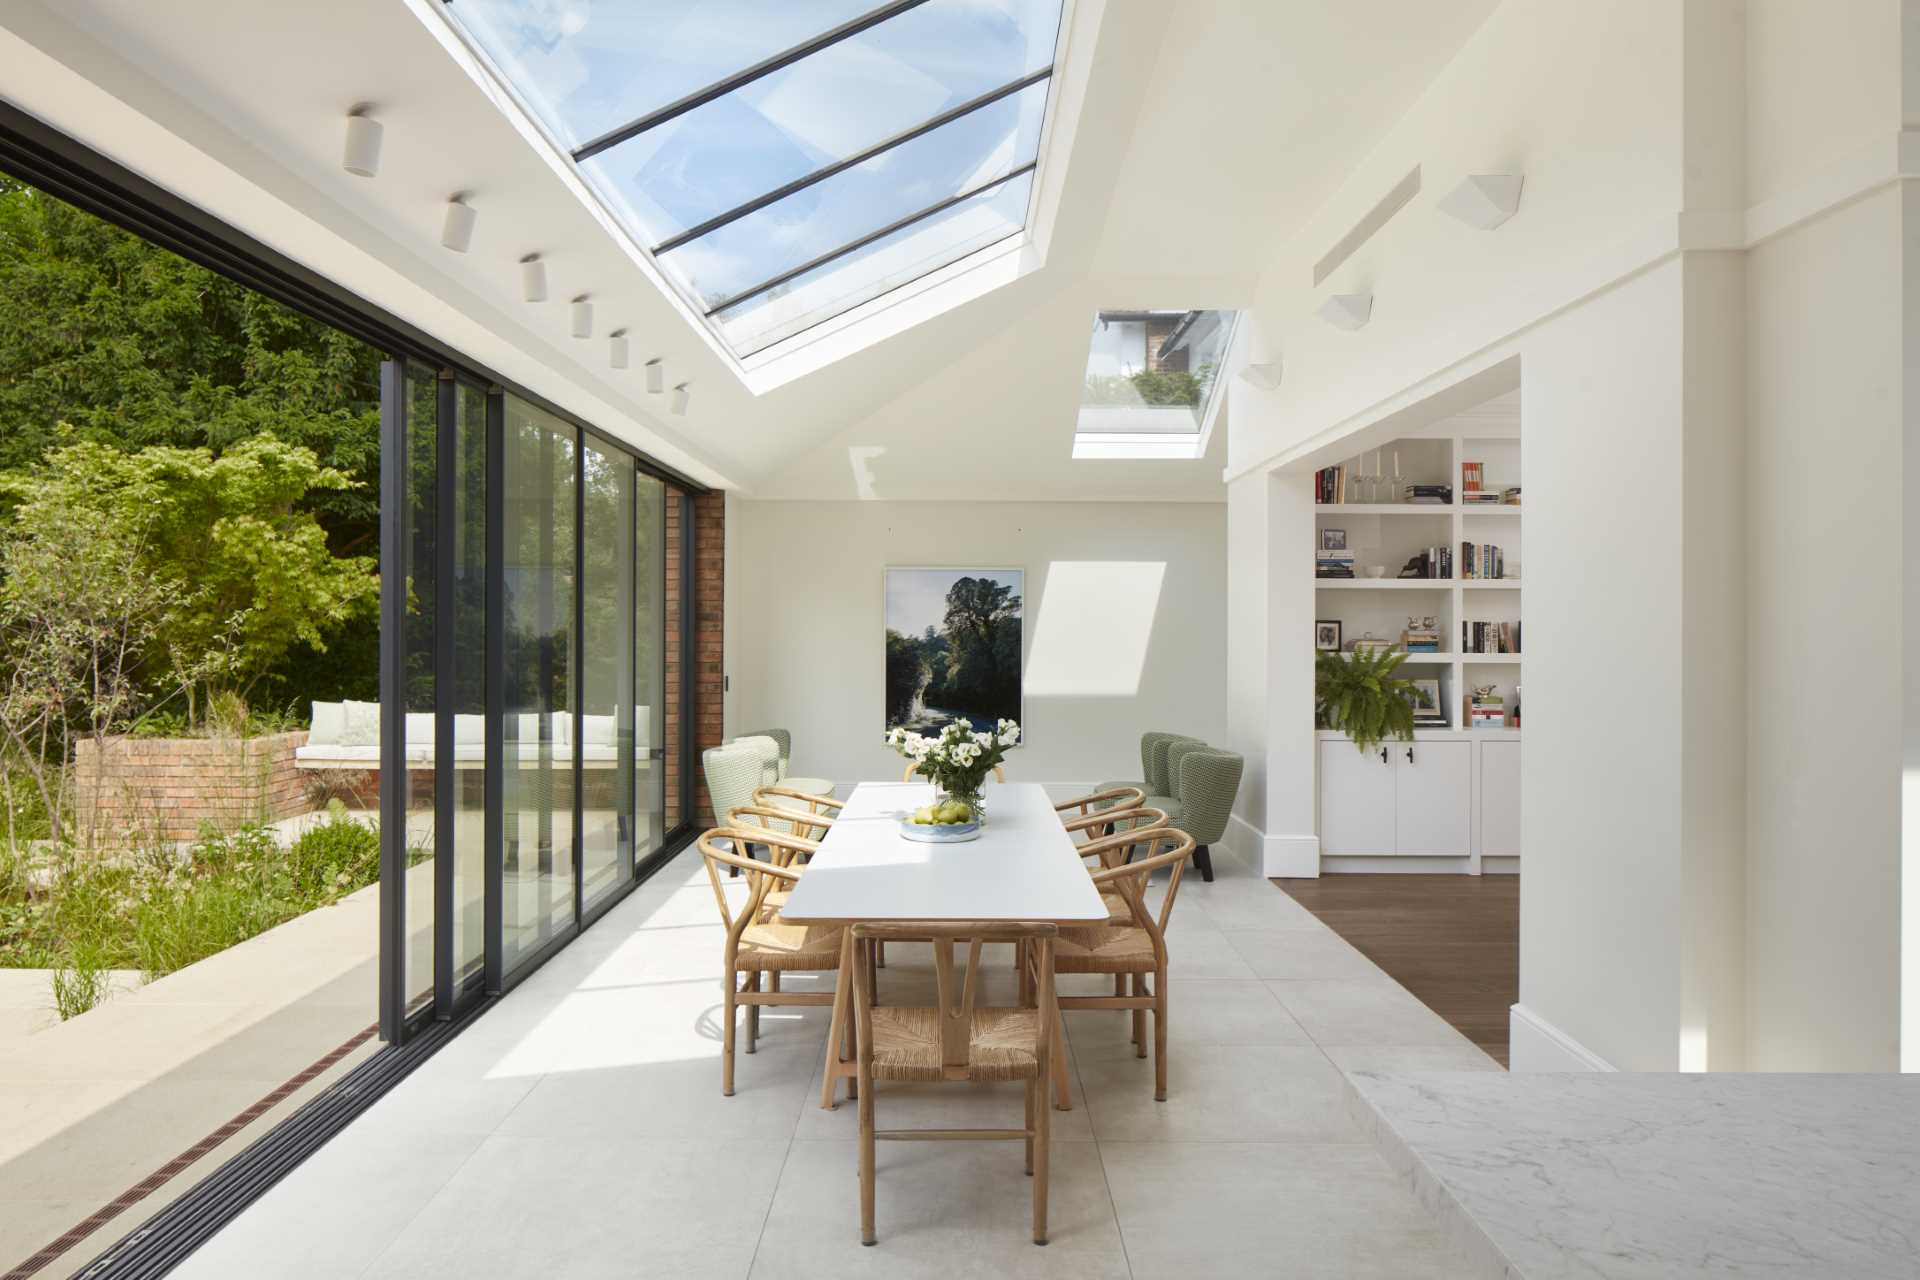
(587, 66)
(917, 598)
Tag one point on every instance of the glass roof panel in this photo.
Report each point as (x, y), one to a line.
(836, 103)
(913, 124)
(887, 263)
(959, 157)
(1153, 372)
(585, 68)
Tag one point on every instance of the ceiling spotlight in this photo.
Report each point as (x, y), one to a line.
(533, 278)
(362, 152)
(582, 317)
(1265, 376)
(1484, 200)
(617, 348)
(1347, 310)
(656, 376)
(456, 228)
(680, 398)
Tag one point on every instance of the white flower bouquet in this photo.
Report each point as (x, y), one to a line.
(959, 761)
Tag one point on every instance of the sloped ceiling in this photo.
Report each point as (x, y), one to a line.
(1211, 128)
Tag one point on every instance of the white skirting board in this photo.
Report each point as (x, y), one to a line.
(1291, 856)
(1534, 1044)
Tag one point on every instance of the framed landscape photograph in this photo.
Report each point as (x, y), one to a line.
(953, 647)
(1326, 634)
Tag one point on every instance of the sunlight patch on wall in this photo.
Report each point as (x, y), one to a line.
(860, 457)
(1092, 627)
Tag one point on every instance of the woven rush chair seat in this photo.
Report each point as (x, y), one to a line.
(1003, 1044)
(778, 945)
(1108, 949)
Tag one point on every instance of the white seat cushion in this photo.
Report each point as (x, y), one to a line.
(329, 722)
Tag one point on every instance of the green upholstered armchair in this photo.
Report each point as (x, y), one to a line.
(734, 773)
(783, 765)
(1152, 779)
(1209, 781)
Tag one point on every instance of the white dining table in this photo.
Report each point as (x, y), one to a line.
(1023, 867)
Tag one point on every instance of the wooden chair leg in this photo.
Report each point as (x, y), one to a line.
(867, 1235)
(879, 955)
(1160, 1035)
(842, 1015)
(753, 1013)
(1032, 1091)
(1062, 1093)
(1139, 1021)
(726, 1038)
(1041, 1151)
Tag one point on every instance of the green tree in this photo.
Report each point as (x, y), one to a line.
(129, 345)
(230, 532)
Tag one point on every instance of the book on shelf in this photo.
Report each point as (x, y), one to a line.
(1489, 637)
(1330, 486)
(1482, 560)
(1481, 498)
(1429, 494)
(1333, 564)
(1511, 495)
(1472, 476)
(1434, 562)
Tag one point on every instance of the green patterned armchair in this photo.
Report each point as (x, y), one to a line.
(1209, 780)
(1153, 764)
(782, 740)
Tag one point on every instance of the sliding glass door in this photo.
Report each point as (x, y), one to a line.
(535, 720)
(540, 702)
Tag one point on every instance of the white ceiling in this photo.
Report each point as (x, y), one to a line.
(1210, 129)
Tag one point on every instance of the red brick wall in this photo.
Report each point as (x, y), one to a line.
(168, 788)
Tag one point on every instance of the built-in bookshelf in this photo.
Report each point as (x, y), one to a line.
(1376, 533)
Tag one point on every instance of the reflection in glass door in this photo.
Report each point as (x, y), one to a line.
(537, 882)
(606, 673)
(650, 666)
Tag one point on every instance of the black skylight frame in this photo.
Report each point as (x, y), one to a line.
(735, 81)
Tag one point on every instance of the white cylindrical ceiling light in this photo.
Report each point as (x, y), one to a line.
(680, 397)
(456, 228)
(533, 278)
(656, 376)
(361, 154)
(582, 317)
(617, 349)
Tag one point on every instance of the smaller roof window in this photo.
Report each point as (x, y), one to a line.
(1152, 383)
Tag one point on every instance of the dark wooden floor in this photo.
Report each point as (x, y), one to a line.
(1453, 941)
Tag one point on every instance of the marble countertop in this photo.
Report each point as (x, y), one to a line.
(1648, 1177)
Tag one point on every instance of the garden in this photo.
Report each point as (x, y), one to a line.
(187, 512)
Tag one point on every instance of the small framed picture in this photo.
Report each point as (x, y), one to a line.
(1425, 696)
(1333, 539)
(1326, 634)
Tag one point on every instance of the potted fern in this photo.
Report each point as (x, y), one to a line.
(1359, 695)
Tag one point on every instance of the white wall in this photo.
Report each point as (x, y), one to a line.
(1126, 624)
(1710, 261)
(1824, 429)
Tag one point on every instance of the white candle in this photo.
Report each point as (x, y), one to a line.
(1396, 464)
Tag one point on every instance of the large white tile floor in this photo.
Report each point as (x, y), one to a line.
(578, 1129)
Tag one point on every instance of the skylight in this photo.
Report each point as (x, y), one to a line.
(1152, 384)
(784, 162)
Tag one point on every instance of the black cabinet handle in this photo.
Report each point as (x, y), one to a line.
(1409, 755)
(1383, 755)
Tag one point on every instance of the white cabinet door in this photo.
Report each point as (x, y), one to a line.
(1356, 801)
(1499, 799)
(1433, 787)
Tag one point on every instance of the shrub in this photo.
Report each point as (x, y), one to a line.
(334, 858)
